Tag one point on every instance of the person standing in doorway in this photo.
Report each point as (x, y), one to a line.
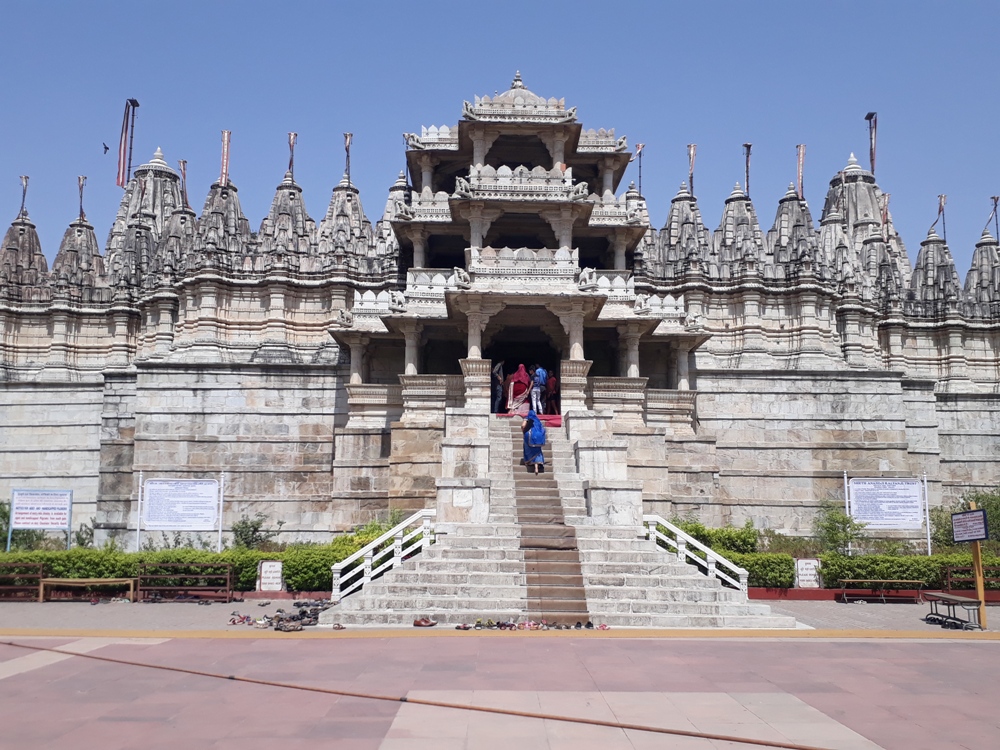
(552, 395)
(539, 380)
(497, 382)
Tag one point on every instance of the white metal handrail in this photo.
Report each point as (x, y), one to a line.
(682, 542)
(408, 538)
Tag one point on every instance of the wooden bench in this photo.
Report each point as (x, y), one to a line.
(186, 581)
(21, 580)
(95, 582)
(878, 587)
(950, 618)
(963, 575)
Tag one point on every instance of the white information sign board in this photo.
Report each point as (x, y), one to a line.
(270, 576)
(887, 504)
(41, 509)
(807, 574)
(180, 504)
(969, 526)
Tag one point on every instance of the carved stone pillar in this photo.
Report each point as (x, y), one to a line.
(357, 345)
(481, 143)
(476, 324)
(620, 242)
(477, 383)
(629, 336)
(573, 384)
(683, 368)
(608, 178)
(480, 219)
(561, 221)
(411, 338)
(427, 163)
(419, 238)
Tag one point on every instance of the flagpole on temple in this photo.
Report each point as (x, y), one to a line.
(800, 154)
(81, 181)
(872, 120)
(692, 150)
(292, 138)
(134, 104)
(348, 137)
(746, 166)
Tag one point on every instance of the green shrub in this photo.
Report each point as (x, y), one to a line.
(941, 539)
(926, 568)
(766, 569)
(742, 539)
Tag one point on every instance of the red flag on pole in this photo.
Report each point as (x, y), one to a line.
(123, 147)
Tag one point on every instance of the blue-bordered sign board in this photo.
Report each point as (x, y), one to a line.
(43, 510)
(969, 526)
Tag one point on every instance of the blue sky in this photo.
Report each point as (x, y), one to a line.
(667, 74)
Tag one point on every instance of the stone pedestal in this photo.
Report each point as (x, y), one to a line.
(573, 384)
(477, 384)
(371, 405)
(673, 410)
(613, 503)
(462, 500)
(424, 398)
(626, 397)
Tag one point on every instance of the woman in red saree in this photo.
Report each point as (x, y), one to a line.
(518, 388)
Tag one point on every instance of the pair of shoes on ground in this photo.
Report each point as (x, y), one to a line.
(338, 626)
(288, 626)
(424, 622)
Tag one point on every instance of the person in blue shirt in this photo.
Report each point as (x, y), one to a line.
(539, 380)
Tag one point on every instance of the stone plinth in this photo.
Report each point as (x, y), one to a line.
(602, 459)
(573, 384)
(671, 409)
(373, 405)
(462, 500)
(613, 502)
(626, 397)
(425, 398)
(477, 383)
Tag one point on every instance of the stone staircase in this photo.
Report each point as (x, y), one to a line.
(551, 559)
(539, 558)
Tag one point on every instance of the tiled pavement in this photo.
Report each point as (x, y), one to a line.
(832, 688)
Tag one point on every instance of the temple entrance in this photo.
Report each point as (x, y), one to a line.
(528, 346)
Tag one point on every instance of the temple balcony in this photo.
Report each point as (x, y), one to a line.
(425, 208)
(601, 142)
(433, 138)
(426, 287)
(520, 185)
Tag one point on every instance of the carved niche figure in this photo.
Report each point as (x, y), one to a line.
(588, 280)
(462, 278)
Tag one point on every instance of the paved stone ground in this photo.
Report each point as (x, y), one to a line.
(874, 676)
(190, 616)
(839, 694)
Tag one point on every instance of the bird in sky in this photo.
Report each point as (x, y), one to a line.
(106, 148)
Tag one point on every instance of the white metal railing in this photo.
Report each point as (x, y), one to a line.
(408, 538)
(682, 542)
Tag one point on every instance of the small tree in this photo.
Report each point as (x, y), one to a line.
(250, 533)
(836, 530)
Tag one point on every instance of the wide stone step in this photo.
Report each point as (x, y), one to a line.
(637, 606)
(407, 589)
(673, 594)
(534, 578)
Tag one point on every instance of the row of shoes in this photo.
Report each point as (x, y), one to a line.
(530, 625)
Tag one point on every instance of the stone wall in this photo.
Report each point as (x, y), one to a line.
(50, 436)
(268, 429)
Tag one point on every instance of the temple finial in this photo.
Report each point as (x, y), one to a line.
(81, 181)
(24, 194)
(517, 83)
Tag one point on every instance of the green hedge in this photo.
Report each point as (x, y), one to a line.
(735, 539)
(305, 568)
(766, 569)
(927, 568)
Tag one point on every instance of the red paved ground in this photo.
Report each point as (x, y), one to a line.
(899, 694)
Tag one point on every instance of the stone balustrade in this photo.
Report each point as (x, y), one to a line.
(373, 404)
(672, 409)
(428, 285)
(600, 142)
(617, 285)
(425, 207)
(522, 260)
(626, 397)
(520, 183)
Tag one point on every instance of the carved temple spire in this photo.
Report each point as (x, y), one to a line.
(792, 242)
(738, 240)
(345, 230)
(934, 285)
(684, 238)
(79, 261)
(22, 262)
(287, 228)
(222, 227)
(982, 283)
